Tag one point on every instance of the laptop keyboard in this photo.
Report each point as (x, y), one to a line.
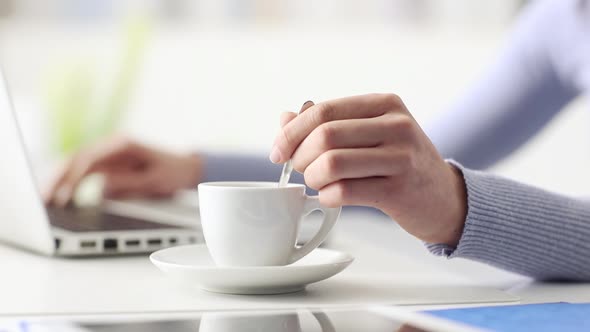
(95, 219)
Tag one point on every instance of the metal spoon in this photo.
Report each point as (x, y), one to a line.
(288, 166)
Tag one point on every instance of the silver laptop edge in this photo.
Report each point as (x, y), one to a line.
(24, 221)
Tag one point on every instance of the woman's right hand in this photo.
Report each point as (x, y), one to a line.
(369, 150)
(129, 169)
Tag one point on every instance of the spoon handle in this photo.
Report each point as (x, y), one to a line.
(288, 166)
(286, 174)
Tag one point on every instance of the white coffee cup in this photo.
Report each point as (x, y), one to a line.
(257, 223)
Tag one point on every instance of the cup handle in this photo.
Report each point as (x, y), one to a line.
(312, 203)
(324, 321)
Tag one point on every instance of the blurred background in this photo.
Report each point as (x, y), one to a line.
(215, 74)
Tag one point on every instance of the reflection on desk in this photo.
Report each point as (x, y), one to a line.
(295, 320)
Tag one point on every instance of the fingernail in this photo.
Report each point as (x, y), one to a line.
(306, 105)
(275, 155)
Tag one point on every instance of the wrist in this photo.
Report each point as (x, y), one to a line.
(194, 169)
(458, 211)
(450, 218)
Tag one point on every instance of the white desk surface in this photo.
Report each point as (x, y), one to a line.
(389, 266)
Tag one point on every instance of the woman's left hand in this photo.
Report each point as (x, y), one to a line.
(368, 150)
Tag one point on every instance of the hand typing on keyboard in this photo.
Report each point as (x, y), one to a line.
(129, 168)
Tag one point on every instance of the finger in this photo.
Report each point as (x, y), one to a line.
(306, 106)
(358, 133)
(80, 167)
(335, 165)
(130, 183)
(51, 193)
(138, 194)
(115, 150)
(60, 192)
(365, 106)
(91, 161)
(364, 192)
(286, 117)
(61, 196)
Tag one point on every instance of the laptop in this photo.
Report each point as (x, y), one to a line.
(25, 222)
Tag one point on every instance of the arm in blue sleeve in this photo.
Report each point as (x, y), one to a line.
(235, 167)
(515, 98)
(523, 229)
(511, 225)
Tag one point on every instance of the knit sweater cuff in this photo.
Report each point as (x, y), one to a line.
(522, 229)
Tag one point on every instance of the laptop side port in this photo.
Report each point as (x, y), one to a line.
(110, 244)
(57, 243)
(173, 240)
(154, 242)
(87, 244)
(132, 243)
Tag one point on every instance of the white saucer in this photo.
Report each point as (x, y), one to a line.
(193, 264)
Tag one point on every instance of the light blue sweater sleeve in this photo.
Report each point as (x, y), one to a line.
(511, 225)
(518, 94)
(523, 229)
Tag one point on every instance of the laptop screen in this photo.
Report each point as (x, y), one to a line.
(23, 219)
